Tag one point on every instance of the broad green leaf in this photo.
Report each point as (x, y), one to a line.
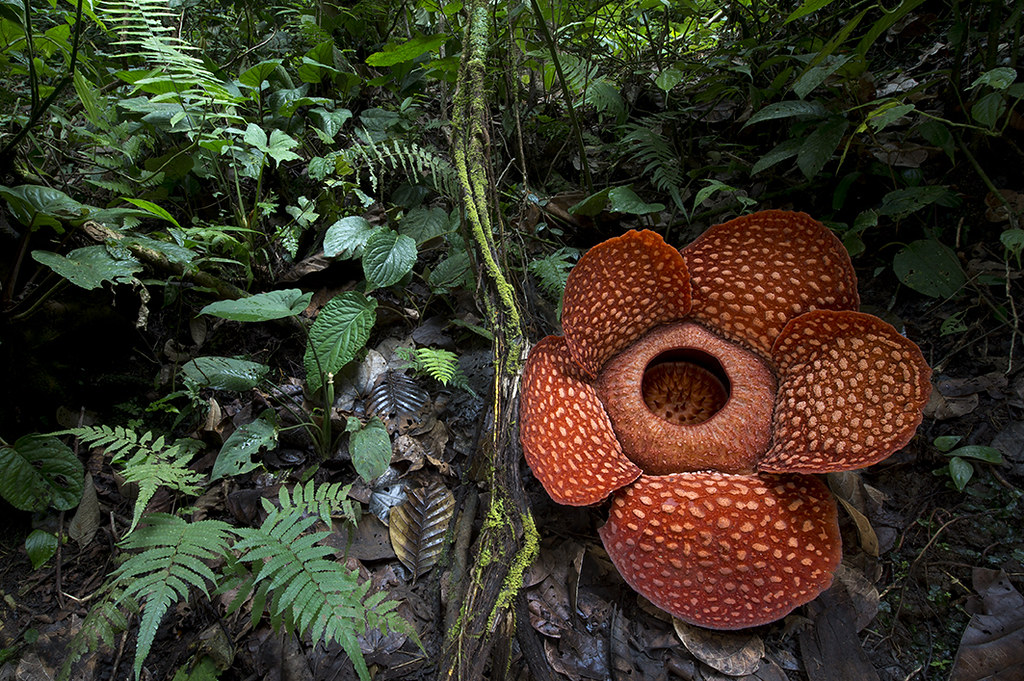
(40, 471)
(945, 443)
(816, 75)
(387, 257)
(787, 109)
(330, 121)
(938, 134)
(407, 51)
(235, 457)
(347, 237)
(424, 224)
(625, 200)
(979, 452)
(781, 152)
(900, 203)
(817, 149)
(712, 188)
(1013, 240)
(370, 447)
(668, 79)
(261, 307)
(254, 76)
(35, 206)
(452, 272)
(339, 332)
(592, 205)
(999, 78)
(929, 267)
(225, 373)
(987, 110)
(808, 7)
(40, 545)
(89, 267)
(883, 24)
(960, 471)
(887, 114)
(281, 145)
(170, 250)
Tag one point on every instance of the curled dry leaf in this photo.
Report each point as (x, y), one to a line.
(731, 653)
(418, 526)
(992, 646)
(83, 526)
(846, 485)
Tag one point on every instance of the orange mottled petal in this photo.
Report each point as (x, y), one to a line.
(618, 290)
(851, 392)
(751, 275)
(567, 437)
(725, 551)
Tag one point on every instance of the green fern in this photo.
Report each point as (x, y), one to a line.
(408, 157)
(324, 501)
(147, 30)
(440, 365)
(105, 620)
(149, 463)
(305, 589)
(655, 152)
(553, 271)
(169, 563)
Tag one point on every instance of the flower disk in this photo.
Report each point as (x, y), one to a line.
(725, 551)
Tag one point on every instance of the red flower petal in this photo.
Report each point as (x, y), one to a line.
(851, 392)
(567, 437)
(751, 275)
(618, 290)
(732, 440)
(725, 551)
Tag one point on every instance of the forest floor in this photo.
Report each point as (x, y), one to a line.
(923, 560)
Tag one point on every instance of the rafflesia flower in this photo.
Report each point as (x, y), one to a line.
(704, 388)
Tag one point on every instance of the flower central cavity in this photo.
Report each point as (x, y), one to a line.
(684, 399)
(685, 387)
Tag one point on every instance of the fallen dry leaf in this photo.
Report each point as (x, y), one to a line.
(992, 647)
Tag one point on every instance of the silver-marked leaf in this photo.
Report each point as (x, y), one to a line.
(370, 447)
(418, 526)
(787, 109)
(225, 373)
(347, 237)
(89, 267)
(235, 457)
(261, 307)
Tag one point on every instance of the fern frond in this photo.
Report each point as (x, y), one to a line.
(105, 620)
(324, 501)
(656, 154)
(553, 271)
(308, 591)
(149, 463)
(169, 562)
(408, 157)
